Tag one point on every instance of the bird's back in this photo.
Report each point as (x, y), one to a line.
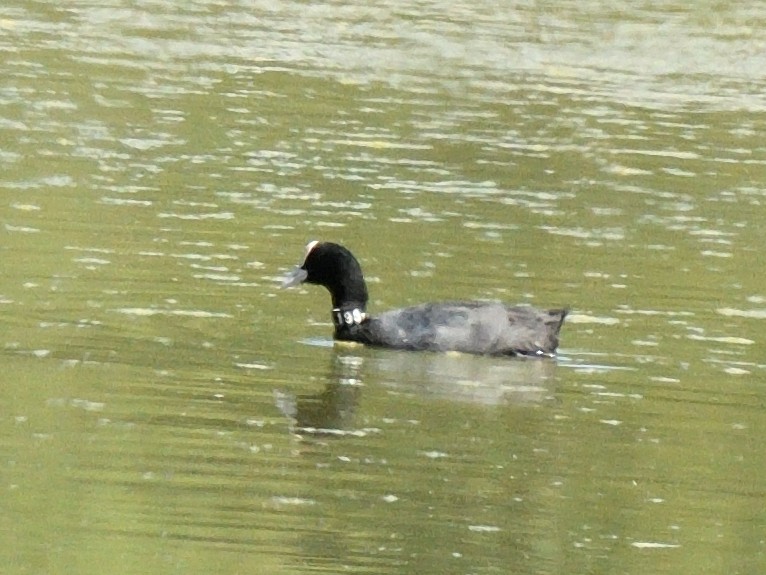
(466, 326)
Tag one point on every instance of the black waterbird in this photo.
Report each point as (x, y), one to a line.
(478, 327)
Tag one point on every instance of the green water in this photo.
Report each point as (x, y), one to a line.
(167, 409)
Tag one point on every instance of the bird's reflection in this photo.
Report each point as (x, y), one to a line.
(452, 377)
(331, 411)
(467, 378)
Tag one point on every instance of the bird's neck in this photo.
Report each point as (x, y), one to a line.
(350, 293)
(349, 302)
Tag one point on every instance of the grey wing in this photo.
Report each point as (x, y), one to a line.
(471, 327)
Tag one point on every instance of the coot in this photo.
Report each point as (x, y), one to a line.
(479, 327)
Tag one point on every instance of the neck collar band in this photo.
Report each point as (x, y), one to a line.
(347, 317)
